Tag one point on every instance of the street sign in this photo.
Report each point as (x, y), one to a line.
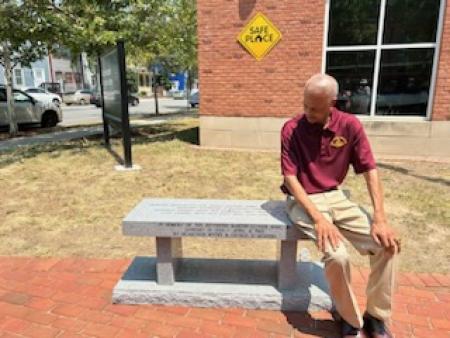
(115, 97)
(259, 36)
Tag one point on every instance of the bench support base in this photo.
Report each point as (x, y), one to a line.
(224, 283)
(168, 253)
(287, 262)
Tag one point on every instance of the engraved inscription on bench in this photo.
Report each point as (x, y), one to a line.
(221, 230)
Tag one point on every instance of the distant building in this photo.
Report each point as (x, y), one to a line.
(144, 80)
(28, 76)
(71, 73)
(57, 67)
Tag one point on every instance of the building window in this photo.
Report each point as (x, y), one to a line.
(18, 77)
(68, 77)
(38, 76)
(144, 80)
(77, 78)
(353, 70)
(353, 22)
(382, 53)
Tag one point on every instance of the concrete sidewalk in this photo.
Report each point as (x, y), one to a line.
(77, 133)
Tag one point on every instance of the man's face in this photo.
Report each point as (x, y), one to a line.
(317, 107)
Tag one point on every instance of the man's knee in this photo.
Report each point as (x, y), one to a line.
(388, 253)
(339, 256)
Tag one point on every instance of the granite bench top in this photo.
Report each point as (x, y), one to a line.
(210, 218)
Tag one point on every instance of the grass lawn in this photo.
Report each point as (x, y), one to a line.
(66, 199)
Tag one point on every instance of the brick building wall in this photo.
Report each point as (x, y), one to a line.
(232, 82)
(441, 106)
(244, 102)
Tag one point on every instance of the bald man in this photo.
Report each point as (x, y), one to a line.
(317, 149)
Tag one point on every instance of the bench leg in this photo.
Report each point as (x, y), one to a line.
(287, 264)
(168, 252)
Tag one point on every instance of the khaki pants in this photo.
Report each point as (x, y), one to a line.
(354, 225)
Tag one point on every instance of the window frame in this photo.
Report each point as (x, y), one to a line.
(378, 48)
(22, 77)
(37, 71)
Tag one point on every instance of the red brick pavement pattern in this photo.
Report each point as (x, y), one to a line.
(72, 298)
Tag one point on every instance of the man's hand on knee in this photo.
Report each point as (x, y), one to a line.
(327, 232)
(385, 236)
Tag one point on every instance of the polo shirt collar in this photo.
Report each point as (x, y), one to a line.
(332, 123)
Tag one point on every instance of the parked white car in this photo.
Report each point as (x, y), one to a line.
(43, 95)
(81, 96)
(30, 110)
(194, 100)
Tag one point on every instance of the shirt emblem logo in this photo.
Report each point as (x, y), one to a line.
(338, 142)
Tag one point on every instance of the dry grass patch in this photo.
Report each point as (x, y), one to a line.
(67, 200)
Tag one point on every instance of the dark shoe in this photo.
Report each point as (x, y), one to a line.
(348, 331)
(375, 328)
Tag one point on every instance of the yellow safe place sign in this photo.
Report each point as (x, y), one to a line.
(259, 36)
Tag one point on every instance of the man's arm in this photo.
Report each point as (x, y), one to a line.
(326, 232)
(381, 232)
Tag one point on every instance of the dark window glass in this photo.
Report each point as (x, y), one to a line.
(68, 77)
(353, 22)
(20, 97)
(411, 21)
(354, 72)
(35, 90)
(404, 83)
(2, 96)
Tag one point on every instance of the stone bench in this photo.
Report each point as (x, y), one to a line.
(169, 220)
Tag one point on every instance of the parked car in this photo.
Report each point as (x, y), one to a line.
(194, 99)
(81, 96)
(52, 87)
(43, 95)
(132, 99)
(30, 110)
(178, 94)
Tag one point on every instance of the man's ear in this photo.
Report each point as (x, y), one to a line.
(333, 102)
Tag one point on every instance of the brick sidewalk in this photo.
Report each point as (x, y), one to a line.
(71, 298)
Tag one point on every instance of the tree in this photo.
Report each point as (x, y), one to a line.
(182, 50)
(169, 40)
(93, 25)
(153, 30)
(132, 81)
(27, 28)
(96, 25)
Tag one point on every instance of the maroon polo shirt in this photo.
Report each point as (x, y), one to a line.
(320, 156)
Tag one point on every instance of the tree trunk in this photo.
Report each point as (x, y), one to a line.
(189, 85)
(9, 92)
(155, 89)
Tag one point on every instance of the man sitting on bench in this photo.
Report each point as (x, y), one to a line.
(316, 152)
